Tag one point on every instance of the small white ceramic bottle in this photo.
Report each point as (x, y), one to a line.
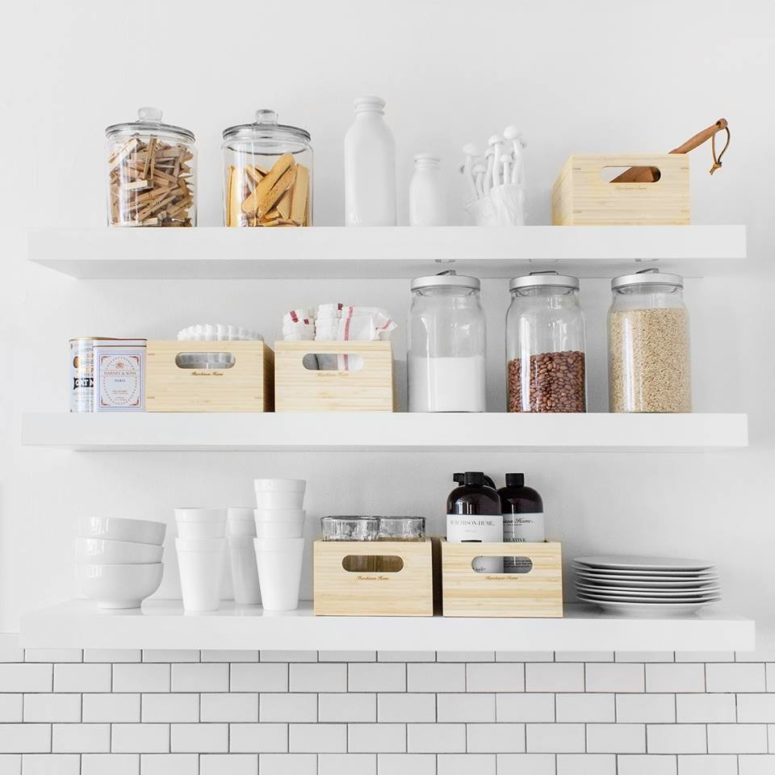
(426, 193)
(369, 167)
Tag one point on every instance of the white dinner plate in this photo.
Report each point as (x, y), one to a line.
(648, 611)
(649, 600)
(645, 562)
(648, 574)
(647, 583)
(651, 593)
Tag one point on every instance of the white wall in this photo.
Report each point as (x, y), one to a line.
(592, 76)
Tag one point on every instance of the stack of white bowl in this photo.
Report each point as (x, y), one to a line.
(241, 532)
(118, 561)
(201, 549)
(279, 541)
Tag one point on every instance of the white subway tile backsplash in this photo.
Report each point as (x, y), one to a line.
(380, 677)
(436, 678)
(644, 656)
(645, 708)
(111, 655)
(237, 707)
(287, 656)
(82, 678)
(51, 764)
(284, 707)
(110, 764)
(578, 764)
(168, 708)
(140, 738)
(200, 677)
(738, 677)
(10, 652)
(376, 738)
(524, 707)
(406, 656)
(406, 707)
(26, 678)
(707, 765)
(233, 655)
(648, 764)
(169, 764)
(675, 678)
(317, 738)
(465, 707)
(504, 677)
(704, 708)
(139, 678)
(111, 708)
(756, 764)
(737, 738)
(406, 764)
(288, 764)
(271, 677)
(526, 764)
(545, 677)
(199, 738)
(584, 656)
(318, 677)
(616, 738)
(10, 708)
(170, 655)
(25, 738)
(615, 677)
(347, 656)
(347, 764)
(52, 707)
(258, 738)
(436, 738)
(756, 708)
(466, 764)
(344, 708)
(676, 738)
(228, 764)
(495, 738)
(556, 738)
(80, 738)
(465, 656)
(585, 707)
(704, 656)
(524, 656)
(53, 655)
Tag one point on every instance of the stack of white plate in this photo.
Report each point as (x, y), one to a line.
(646, 586)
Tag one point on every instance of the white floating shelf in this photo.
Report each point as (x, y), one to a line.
(390, 252)
(163, 625)
(360, 431)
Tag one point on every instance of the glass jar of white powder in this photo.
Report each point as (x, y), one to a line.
(446, 353)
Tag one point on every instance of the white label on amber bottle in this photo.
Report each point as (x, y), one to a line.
(524, 527)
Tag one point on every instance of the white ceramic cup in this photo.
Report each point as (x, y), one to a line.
(200, 523)
(279, 500)
(279, 572)
(279, 515)
(279, 529)
(280, 485)
(240, 522)
(201, 568)
(244, 572)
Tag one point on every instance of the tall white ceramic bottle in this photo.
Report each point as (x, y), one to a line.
(426, 192)
(369, 167)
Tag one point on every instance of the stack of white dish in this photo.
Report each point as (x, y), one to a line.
(241, 532)
(279, 542)
(646, 586)
(118, 561)
(201, 549)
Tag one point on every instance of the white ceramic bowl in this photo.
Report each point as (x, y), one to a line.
(140, 531)
(119, 586)
(279, 529)
(102, 552)
(280, 485)
(279, 515)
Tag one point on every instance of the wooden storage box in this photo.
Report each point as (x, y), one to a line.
(245, 386)
(537, 593)
(387, 578)
(366, 387)
(584, 195)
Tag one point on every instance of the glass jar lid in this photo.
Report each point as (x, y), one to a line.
(544, 280)
(265, 127)
(447, 279)
(647, 277)
(149, 120)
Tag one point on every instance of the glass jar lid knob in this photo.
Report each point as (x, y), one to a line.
(150, 115)
(264, 117)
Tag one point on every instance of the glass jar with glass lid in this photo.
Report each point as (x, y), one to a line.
(446, 348)
(545, 347)
(267, 174)
(151, 172)
(649, 366)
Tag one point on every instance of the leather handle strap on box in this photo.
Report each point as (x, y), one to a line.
(646, 174)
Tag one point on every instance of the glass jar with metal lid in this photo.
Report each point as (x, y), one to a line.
(649, 366)
(545, 347)
(267, 174)
(446, 347)
(151, 172)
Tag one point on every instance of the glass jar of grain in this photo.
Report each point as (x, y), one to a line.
(648, 344)
(545, 345)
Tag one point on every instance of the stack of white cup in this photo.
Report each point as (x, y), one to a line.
(201, 548)
(241, 530)
(279, 542)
